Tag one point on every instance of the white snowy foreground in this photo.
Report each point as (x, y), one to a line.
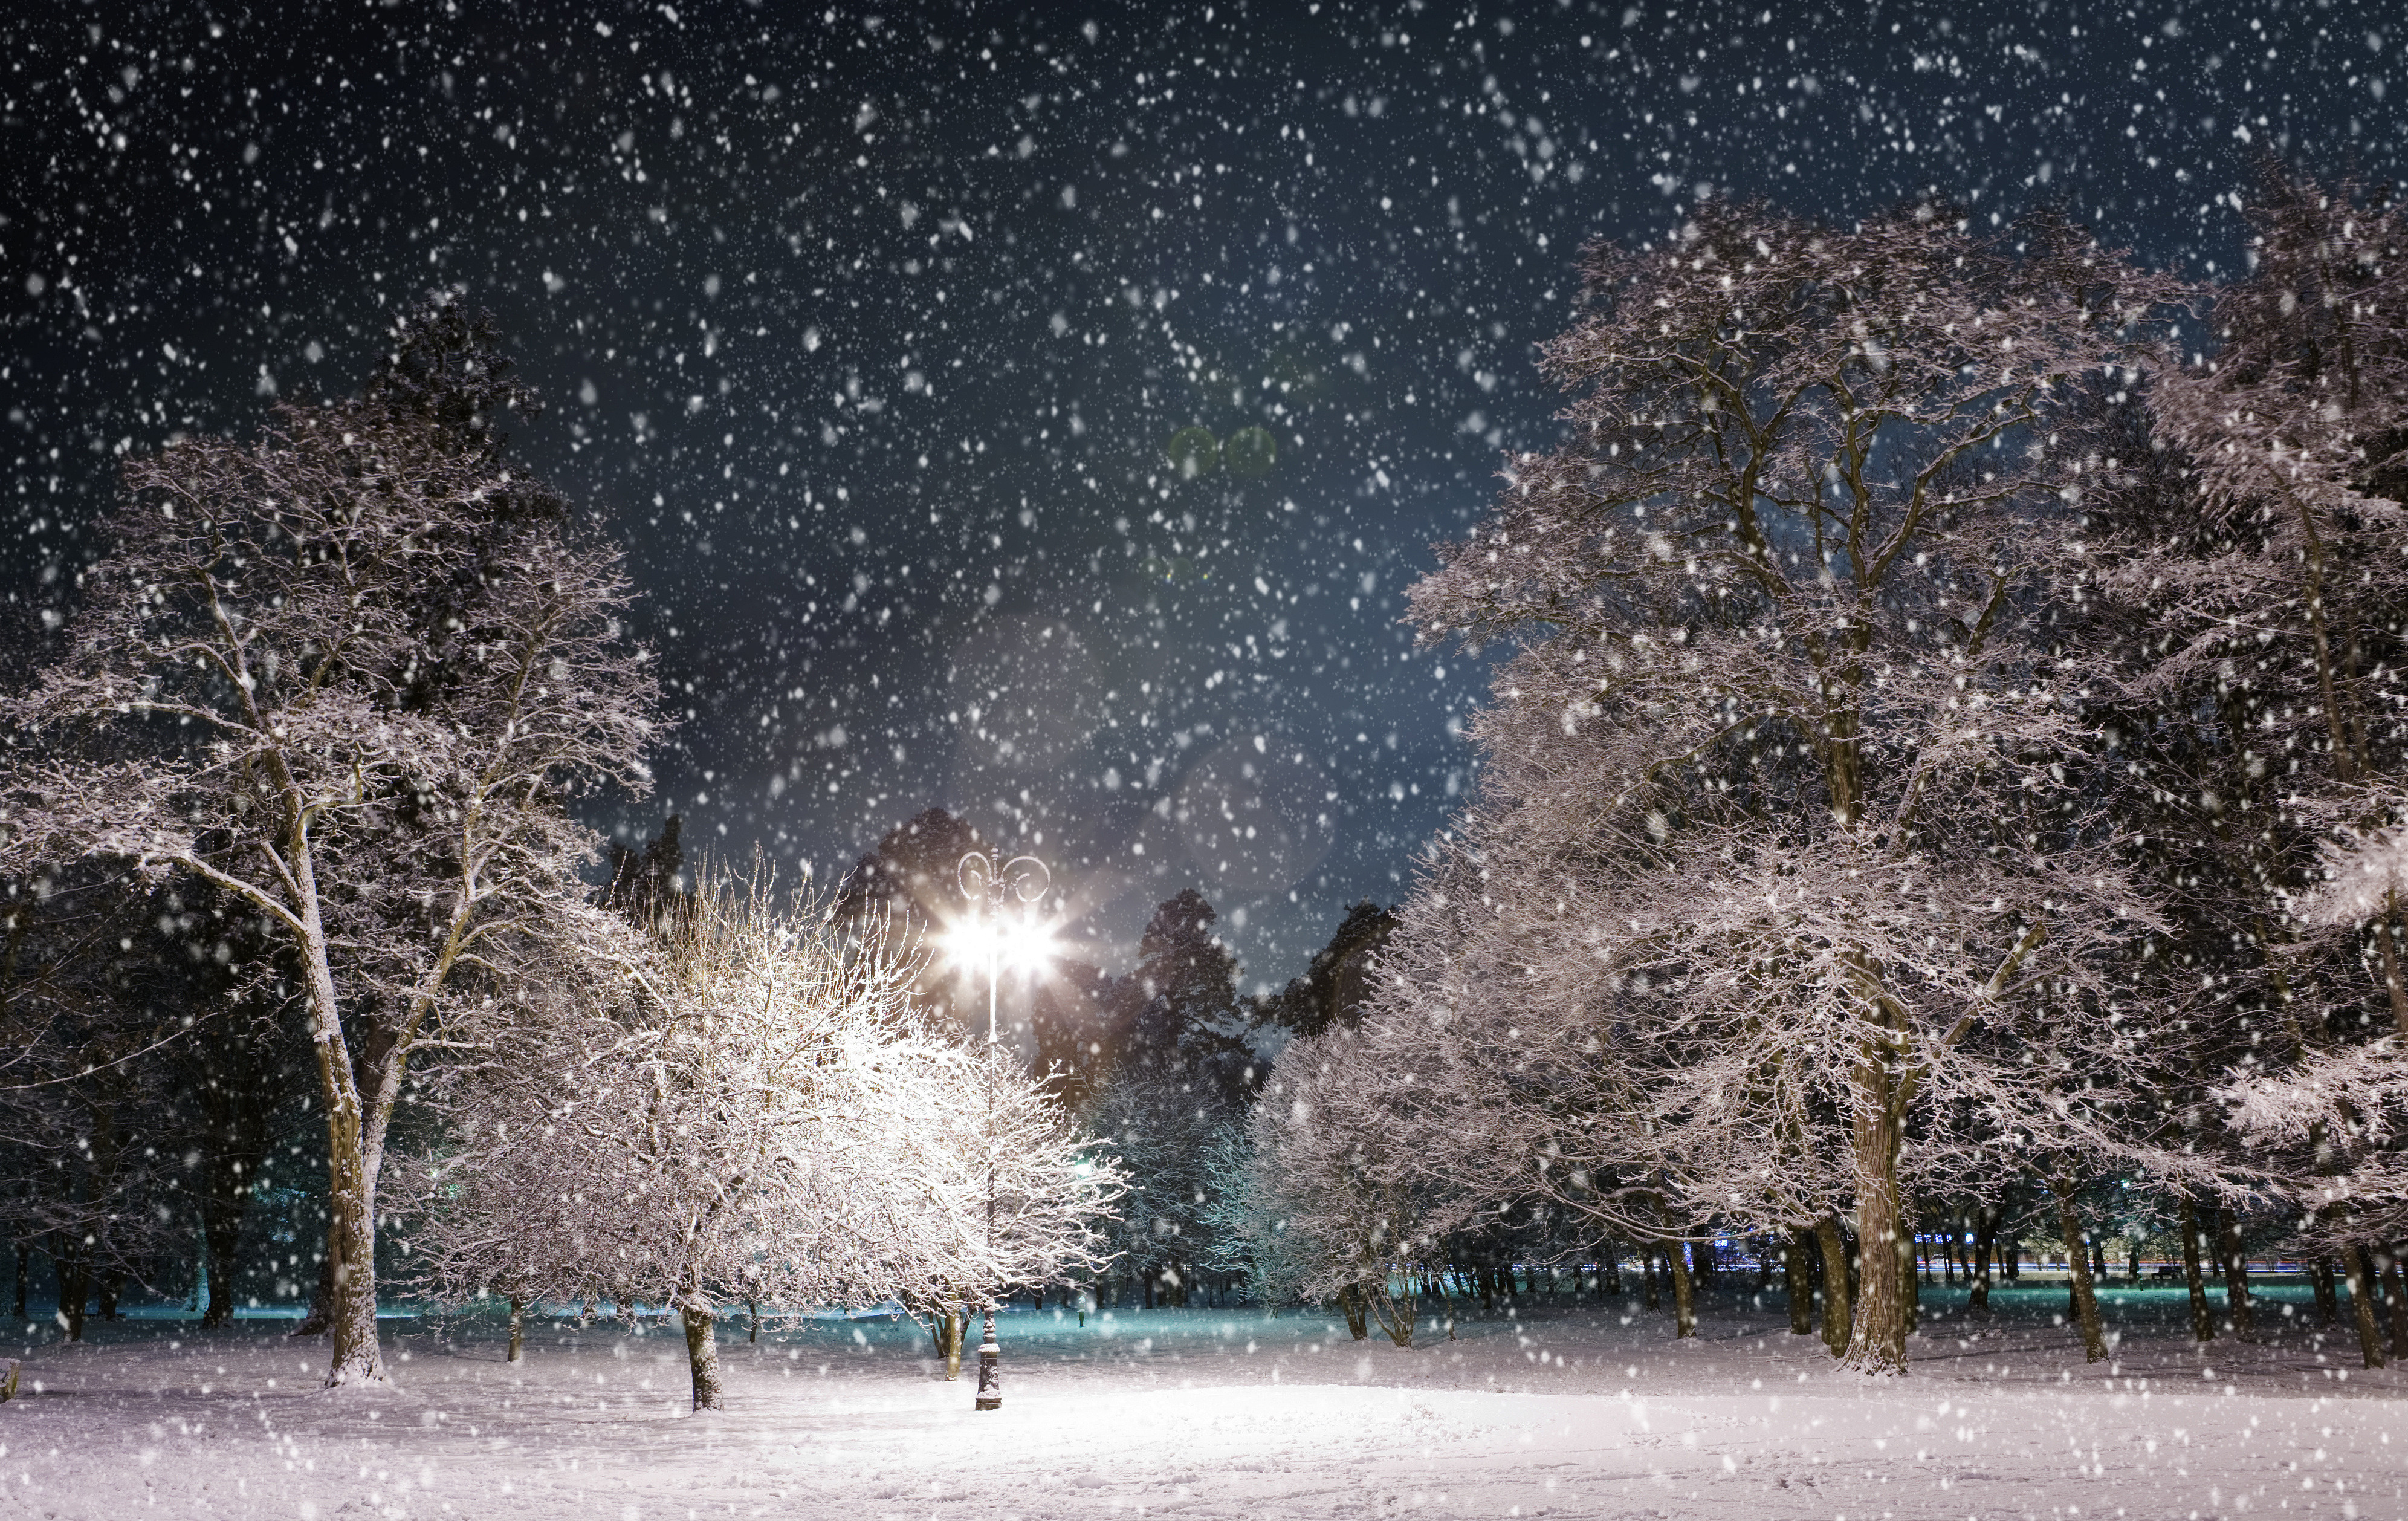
(1560, 1410)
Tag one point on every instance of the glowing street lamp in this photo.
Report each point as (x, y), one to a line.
(991, 939)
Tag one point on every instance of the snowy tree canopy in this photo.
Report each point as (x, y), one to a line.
(346, 676)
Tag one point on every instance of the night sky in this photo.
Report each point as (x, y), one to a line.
(1039, 412)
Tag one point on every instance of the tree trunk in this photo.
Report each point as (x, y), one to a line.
(518, 1328)
(1684, 1305)
(1910, 1283)
(221, 1240)
(2202, 1317)
(1647, 1274)
(2321, 1279)
(702, 1357)
(1878, 1343)
(111, 1282)
(951, 1327)
(24, 1275)
(1978, 1266)
(67, 1259)
(1609, 1268)
(1798, 1272)
(2361, 1303)
(1395, 1313)
(1349, 1299)
(1836, 1316)
(2077, 1260)
(2396, 1284)
(236, 1090)
(752, 1309)
(2236, 1278)
(350, 1188)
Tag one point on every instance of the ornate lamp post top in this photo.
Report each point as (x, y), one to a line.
(993, 886)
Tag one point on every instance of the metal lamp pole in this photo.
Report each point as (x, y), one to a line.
(1026, 878)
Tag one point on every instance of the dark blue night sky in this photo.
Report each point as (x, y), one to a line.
(869, 332)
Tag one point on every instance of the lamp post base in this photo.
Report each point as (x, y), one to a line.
(990, 1389)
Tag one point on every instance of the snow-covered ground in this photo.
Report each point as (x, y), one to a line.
(1556, 1410)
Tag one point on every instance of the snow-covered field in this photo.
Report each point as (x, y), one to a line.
(1558, 1411)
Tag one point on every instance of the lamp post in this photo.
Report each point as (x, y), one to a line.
(990, 886)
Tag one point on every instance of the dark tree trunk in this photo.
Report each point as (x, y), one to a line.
(1349, 1299)
(1685, 1304)
(111, 1282)
(518, 1328)
(2321, 1279)
(1798, 1269)
(1647, 1264)
(1910, 1284)
(2203, 1316)
(67, 1258)
(2395, 1283)
(1609, 1268)
(1836, 1310)
(2077, 1260)
(1978, 1271)
(220, 1243)
(2236, 1278)
(239, 1089)
(2361, 1303)
(24, 1275)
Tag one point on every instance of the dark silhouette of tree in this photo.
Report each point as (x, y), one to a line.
(649, 884)
(1336, 981)
(913, 875)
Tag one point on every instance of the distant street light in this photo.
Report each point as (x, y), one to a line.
(993, 938)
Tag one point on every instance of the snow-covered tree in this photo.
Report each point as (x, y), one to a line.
(1178, 1074)
(346, 674)
(1788, 838)
(2264, 554)
(1341, 1139)
(756, 1111)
